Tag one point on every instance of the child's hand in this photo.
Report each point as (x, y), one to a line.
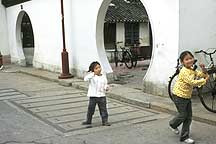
(207, 77)
(202, 66)
(107, 88)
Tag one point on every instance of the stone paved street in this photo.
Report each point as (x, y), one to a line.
(65, 108)
(37, 111)
(66, 112)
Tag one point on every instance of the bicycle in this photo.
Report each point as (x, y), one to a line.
(206, 93)
(123, 56)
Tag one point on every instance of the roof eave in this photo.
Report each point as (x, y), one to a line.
(8, 3)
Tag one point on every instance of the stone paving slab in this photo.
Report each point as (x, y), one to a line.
(97, 128)
(59, 107)
(51, 92)
(66, 115)
(58, 101)
(80, 116)
(7, 90)
(8, 94)
(50, 98)
(19, 96)
(46, 87)
(119, 118)
(66, 112)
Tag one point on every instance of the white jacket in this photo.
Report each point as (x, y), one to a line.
(97, 85)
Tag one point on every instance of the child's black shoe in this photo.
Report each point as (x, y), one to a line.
(106, 124)
(88, 124)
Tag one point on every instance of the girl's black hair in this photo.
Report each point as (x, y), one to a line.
(183, 54)
(92, 66)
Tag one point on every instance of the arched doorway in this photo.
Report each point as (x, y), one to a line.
(25, 38)
(126, 24)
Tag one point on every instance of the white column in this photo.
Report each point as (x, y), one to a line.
(144, 34)
(120, 34)
(4, 44)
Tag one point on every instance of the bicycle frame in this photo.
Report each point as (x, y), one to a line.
(211, 64)
(123, 56)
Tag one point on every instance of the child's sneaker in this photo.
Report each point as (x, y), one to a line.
(176, 131)
(189, 141)
(106, 124)
(88, 124)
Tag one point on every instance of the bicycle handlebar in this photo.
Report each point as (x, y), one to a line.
(202, 51)
(119, 42)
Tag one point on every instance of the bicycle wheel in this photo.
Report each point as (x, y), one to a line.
(116, 58)
(127, 59)
(207, 93)
(134, 61)
(134, 57)
(171, 84)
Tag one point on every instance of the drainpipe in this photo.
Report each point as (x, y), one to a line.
(64, 55)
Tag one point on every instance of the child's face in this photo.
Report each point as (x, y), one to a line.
(188, 61)
(97, 70)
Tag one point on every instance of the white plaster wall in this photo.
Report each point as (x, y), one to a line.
(164, 19)
(83, 35)
(84, 21)
(197, 26)
(144, 34)
(120, 34)
(46, 23)
(3, 31)
(80, 28)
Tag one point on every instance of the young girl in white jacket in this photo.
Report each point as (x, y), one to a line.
(96, 93)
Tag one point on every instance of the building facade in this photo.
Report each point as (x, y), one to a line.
(126, 25)
(172, 23)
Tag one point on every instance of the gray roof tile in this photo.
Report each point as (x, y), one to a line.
(126, 11)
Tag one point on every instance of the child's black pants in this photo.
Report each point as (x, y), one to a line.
(184, 116)
(101, 102)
